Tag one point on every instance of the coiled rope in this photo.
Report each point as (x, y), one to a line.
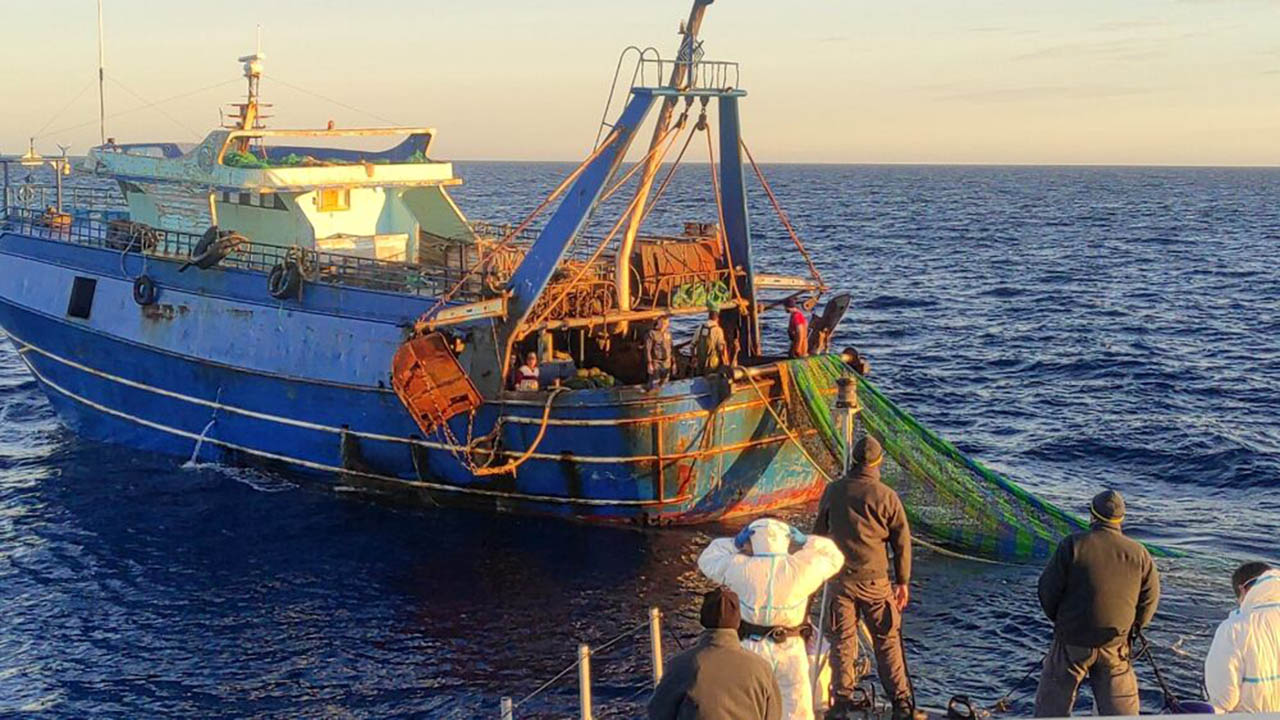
(533, 446)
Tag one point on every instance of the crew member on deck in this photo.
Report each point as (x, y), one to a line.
(657, 351)
(865, 517)
(717, 679)
(527, 374)
(775, 582)
(710, 351)
(1242, 670)
(1098, 588)
(797, 330)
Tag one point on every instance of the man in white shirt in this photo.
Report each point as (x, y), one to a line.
(1242, 670)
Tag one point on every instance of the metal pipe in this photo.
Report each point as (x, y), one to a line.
(102, 74)
(816, 670)
(584, 682)
(742, 373)
(57, 171)
(846, 407)
(508, 713)
(655, 643)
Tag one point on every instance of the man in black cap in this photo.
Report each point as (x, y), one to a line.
(717, 679)
(865, 518)
(1098, 588)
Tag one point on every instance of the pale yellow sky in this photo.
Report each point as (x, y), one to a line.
(947, 81)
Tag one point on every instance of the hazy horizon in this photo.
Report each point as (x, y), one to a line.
(1167, 83)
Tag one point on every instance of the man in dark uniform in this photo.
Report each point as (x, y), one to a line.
(863, 516)
(717, 679)
(1098, 588)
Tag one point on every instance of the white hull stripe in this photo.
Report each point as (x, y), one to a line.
(26, 347)
(330, 468)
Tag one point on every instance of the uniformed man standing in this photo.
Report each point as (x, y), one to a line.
(657, 352)
(865, 517)
(1098, 588)
(717, 679)
(710, 351)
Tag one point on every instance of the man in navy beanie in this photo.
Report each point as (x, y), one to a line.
(1098, 588)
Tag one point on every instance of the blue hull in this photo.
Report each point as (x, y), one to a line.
(303, 387)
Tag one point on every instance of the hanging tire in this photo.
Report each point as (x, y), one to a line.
(285, 280)
(214, 246)
(145, 291)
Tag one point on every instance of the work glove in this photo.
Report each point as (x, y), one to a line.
(743, 537)
(798, 537)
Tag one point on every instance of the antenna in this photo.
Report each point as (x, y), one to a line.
(102, 106)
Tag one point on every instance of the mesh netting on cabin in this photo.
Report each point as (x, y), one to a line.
(952, 500)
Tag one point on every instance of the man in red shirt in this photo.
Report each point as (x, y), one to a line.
(797, 330)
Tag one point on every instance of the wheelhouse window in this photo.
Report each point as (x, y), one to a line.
(332, 200)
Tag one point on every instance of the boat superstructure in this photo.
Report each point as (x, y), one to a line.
(302, 300)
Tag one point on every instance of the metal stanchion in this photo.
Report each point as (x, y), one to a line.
(655, 642)
(507, 712)
(584, 682)
(846, 412)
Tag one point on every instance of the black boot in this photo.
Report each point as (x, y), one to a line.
(841, 709)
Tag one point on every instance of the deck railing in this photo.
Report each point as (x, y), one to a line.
(316, 266)
(701, 74)
(38, 196)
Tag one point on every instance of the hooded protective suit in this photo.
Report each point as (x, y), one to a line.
(1242, 670)
(774, 586)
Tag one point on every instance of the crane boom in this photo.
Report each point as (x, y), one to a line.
(680, 77)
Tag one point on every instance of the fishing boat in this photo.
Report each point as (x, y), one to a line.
(303, 302)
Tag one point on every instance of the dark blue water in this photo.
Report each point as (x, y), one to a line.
(1071, 327)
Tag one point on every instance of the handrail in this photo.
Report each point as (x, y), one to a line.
(641, 54)
(702, 74)
(317, 266)
(74, 197)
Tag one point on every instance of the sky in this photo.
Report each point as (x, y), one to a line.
(1146, 82)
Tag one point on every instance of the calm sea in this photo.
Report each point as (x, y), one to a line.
(1073, 327)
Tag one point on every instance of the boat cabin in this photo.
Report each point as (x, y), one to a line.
(293, 188)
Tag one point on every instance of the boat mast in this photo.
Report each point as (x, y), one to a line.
(681, 74)
(250, 110)
(102, 75)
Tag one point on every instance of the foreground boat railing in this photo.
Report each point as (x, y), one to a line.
(317, 266)
(583, 666)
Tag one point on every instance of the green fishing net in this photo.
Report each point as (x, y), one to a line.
(952, 500)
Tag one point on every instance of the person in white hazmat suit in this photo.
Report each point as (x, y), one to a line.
(774, 585)
(1242, 670)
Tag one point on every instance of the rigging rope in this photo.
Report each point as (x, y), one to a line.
(339, 103)
(564, 292)
(715, 187)
(672, 132)
(64, 108)
(782, 215)
(790, 435)
(174, 120)
(148, 106)
(662, 187)
(483, 262)
(533, 446)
